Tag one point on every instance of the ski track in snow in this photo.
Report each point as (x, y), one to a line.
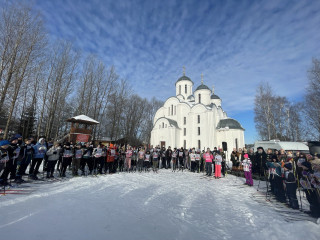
(165, 205)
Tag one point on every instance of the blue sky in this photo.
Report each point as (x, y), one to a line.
(235, 44)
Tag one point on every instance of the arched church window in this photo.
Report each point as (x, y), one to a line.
(198, 118)
(162, 125)
(184, 120)
(199, 144)
(185, 89)
(171, 109)
(199, 98)
(179, 89)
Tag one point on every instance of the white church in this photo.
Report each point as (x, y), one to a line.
(195, 119)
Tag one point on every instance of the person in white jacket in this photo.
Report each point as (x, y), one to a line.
(53, 156)
(193, 160)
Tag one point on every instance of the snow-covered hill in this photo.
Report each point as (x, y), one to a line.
(149, 206)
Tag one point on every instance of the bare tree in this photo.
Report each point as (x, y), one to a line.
(312, 100)
(20, 56)
(276, 117)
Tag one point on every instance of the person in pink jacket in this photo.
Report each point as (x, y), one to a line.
(208, 157)
(247, 169)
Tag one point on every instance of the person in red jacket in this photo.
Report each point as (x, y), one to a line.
(111, 153)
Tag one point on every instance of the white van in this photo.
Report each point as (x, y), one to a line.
(287, 146)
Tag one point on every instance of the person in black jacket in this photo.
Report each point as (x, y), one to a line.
(87, 158)
(291, 186)
(67, 154)
(163, 157)
(168, 157)
(26, 155)
(6, 161)
(181, 157)
(260, 160)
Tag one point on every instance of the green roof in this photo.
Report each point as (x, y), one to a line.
(171, 122)
(214, 96)
(184, 78)
(230, 123)
(202, 86)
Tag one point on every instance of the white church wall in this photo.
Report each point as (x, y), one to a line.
(231, 136)
(205, 96)
(217, 102)
(160, 113)
(181, 88)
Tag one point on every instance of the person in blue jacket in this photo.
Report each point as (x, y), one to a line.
(40, 150)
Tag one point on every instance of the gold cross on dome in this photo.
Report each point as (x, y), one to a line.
(202, 78)
(184, 70)
(212, 89)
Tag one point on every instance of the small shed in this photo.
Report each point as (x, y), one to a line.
(81, 128)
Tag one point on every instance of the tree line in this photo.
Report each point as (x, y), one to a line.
(278, 118)
(42, 84)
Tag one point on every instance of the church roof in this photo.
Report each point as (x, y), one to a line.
(190, 97)
(213, 96)
(83, 119)
(171, 122)
(202, 86)
(184, 78)
(230, 123)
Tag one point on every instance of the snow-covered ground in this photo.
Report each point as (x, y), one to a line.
(149, 206)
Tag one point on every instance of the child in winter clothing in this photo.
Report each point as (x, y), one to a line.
(246, 162)
(174, 160)
(198, 158)
(53, 156)
(291, 186)
(66, 158)
(218, 161)
(76, 161)
(208, 157)
(155, 160)
(129, 153)
(193, 160)
(146, 161)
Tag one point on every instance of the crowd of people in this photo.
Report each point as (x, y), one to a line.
(284, 172)
(90, 159)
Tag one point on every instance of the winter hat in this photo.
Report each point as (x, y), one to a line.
(13, 138)
(4, 142)
(274, 157)
(68, 144)
(18, 135)
(246, 156)
(288, 166)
